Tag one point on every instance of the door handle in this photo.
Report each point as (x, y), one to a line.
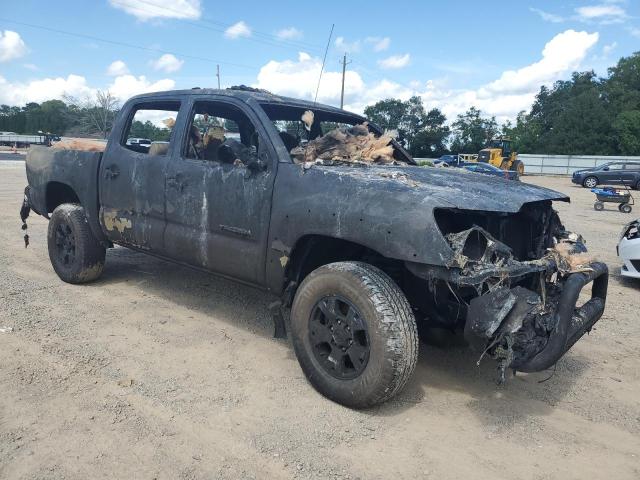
(112, 171)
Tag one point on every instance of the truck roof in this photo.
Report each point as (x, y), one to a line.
(243, 92)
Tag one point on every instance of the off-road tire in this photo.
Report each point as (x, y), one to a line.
(586, 180)
(637, 187)
(625, 208)
(87, 259)
(392, 332)
(598, 206)
(517, 166)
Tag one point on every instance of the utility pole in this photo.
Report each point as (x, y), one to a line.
(344, 69)
(218, 75)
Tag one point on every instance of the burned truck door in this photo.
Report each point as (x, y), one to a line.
(218, 190)
(132, 175)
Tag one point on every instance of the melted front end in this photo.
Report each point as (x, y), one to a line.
(512, 284)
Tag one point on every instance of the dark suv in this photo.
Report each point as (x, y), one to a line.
(612, 173)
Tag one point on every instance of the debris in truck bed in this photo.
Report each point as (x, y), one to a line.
(347, 145)
(83, 144)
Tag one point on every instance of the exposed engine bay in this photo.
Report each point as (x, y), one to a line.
(512, 283)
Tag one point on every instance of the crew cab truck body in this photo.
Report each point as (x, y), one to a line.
(361, 255)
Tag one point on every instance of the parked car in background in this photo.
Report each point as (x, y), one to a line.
(447, 161)
(140, 145)
(488, 169)
(611, 173)
(629, 250)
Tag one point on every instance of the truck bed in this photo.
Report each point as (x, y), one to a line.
(51, 172)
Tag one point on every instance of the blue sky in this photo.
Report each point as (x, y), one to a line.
(454, 54)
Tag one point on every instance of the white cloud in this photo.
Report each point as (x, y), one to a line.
(607, 49)
(379, 44)
(167, 63)
(515, 90)
(349, 47)
(546, 16)
(300, 79)
(634, 32)
(123, 87)
(118, 67)
(126, 86)
(511, 92)
(605, 13)
(146, 10)
(395, 61)
(11, 46)
(237, 30)
(291, 33)
(19, 93)
(561, 54)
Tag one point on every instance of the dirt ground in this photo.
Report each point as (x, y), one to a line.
(157, 371)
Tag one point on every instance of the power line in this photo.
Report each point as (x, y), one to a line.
(315, 100)
(125, 44)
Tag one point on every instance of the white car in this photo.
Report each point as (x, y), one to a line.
(629, 250)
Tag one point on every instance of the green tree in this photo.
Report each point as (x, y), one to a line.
(622, 88)
(431, 141)
(627, 132)
(407, 118)
(471, 131)
(573, 117)
(148, 130)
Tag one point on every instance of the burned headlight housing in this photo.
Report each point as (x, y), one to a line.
(631, 231)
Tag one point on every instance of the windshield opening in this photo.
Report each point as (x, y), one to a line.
(328, 137)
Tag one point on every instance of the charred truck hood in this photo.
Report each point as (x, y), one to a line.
(492, 255)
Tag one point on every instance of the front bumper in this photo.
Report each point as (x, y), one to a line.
(524, 314)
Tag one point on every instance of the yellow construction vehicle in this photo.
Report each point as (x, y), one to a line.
(499, 154)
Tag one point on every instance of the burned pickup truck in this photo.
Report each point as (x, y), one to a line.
(331, 215)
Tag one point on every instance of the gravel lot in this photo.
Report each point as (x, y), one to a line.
(157, 371)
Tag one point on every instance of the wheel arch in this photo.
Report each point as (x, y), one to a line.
(313, 251)
(57, 193)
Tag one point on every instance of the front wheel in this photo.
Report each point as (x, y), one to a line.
(598, 206)
(354, 334)
(518, 166)
(75, 254)
(590, 182)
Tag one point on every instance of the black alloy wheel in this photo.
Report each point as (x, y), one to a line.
(339, 337)
(65, 244)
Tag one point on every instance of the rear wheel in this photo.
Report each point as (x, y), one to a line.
(598, 206)
(625, 208)
(590, 182)
(354, 333)
(75, 254)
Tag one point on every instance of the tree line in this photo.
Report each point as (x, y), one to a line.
(585, 115)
